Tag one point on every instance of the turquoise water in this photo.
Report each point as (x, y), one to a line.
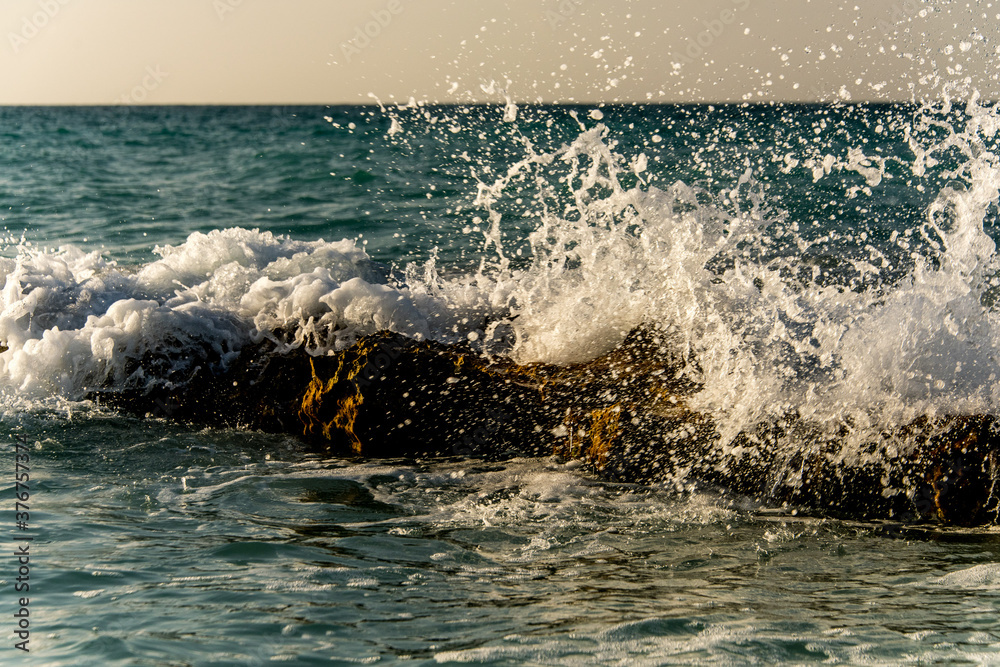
(168, 544)
(160, 545)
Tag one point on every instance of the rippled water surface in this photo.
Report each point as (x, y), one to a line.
(161, 545)
(833, 261)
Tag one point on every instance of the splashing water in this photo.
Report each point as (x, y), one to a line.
(831, 262)
(583, 241)
(860, 345)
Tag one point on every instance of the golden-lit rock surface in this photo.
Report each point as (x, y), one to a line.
(624, 414)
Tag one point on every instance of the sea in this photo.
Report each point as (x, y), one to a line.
(836, 261)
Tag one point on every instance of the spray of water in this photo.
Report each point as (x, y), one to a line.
(582, 243)
(772, 335)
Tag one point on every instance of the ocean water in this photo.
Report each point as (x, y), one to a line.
(837, 262)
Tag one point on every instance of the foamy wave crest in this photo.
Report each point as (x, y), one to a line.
(74, 321)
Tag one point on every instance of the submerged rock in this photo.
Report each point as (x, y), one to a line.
(625, 414)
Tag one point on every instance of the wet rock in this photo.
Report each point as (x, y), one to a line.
(956, 468)
(625, 414)
(950, 472)
(385, 396)
(392, 396)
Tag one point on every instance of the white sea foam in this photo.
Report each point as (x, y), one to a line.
(608, 252)
(74, 321)
(978, 577)
(616, 257)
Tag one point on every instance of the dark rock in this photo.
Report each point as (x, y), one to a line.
(625, 414)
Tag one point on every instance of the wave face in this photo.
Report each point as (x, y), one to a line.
(832, 262)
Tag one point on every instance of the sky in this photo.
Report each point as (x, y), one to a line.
(362, 51)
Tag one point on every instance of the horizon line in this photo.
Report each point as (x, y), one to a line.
(480, 103)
